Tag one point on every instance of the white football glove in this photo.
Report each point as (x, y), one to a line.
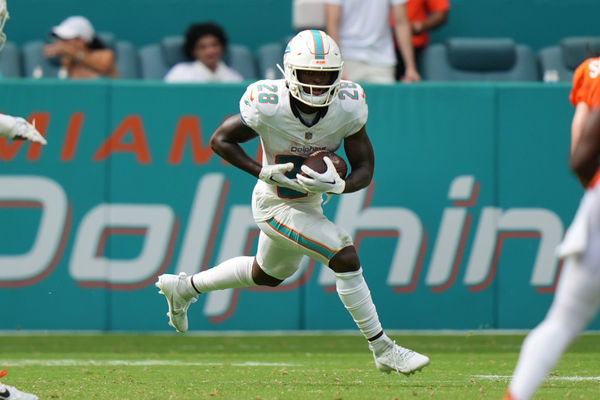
(19, 129)
(327, 182)
(275, 175)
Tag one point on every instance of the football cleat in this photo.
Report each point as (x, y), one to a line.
(401, 360)
(173, 287)
(12, 393)
(509, 396)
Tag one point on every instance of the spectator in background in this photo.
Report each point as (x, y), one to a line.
(82, 54)
(424, 16)
(308, 14)
(204, 47)
(366, 41)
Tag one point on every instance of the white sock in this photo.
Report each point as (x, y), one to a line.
(575, 303)
(356, 296)
(381, 344)
(233, 273)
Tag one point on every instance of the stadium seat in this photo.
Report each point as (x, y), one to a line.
(479, 59)
(240, 58)
(36, 65)
(157, 59)
(10, 61)
(127, 56)
(558, 63)
(127, 60)
(267, 57)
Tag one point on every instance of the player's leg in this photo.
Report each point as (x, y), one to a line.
(356, 297)
(276, 257)
(242, 271)
(181, 290)
(308, 231)
(575, 304)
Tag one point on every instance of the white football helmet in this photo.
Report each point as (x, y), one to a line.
(3, 18)
(312, 50)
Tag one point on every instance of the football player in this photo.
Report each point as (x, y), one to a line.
(15, 127)
(578, 293)
(585, 96)
(311, 109)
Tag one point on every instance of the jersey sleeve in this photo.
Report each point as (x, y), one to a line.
(248, 108)
(579, 88)
(260, 103)
(438, 5)
(354, 102)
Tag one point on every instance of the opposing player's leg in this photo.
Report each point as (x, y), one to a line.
(356, 296)
(575, 304)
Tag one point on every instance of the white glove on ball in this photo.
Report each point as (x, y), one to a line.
(327, 182)
(275, 175)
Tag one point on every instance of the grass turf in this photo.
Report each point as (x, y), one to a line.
(467, 366)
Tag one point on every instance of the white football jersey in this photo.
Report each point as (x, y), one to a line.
(265, 107)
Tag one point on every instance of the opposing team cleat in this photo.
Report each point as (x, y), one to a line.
(401, 360)
(509, 396)
(12, 393)
(172, 287)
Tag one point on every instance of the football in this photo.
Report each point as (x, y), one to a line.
(316, 163)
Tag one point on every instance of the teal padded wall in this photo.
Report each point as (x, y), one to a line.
(470, 196)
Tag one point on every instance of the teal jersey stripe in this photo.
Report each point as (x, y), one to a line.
(319, 52)
(301, 240)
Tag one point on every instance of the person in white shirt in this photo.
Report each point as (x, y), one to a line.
(204, 46)
(362, 28)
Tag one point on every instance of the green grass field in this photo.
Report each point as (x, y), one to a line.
(467, 366)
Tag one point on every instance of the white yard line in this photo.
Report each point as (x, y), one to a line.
(550, 378)
(93, 363)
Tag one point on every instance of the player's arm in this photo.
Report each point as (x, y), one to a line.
(362, 161)
(226, 143)
(359, 152)
(582, 111)
(584, 158)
